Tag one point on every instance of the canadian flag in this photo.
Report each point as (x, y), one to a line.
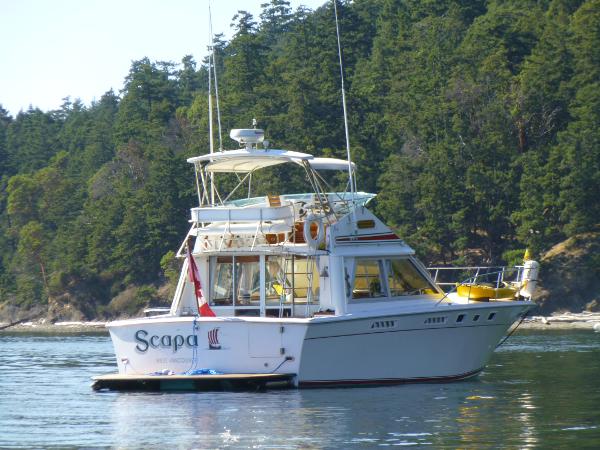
(203, 308)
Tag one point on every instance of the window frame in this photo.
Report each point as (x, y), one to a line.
(423, 275)
(352, 263)
(288, 300)
(382, 279)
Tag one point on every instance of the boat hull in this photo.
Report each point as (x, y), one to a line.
(440, 344)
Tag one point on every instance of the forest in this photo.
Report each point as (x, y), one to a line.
(475, 121)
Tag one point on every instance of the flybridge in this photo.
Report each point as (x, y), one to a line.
(250, 158)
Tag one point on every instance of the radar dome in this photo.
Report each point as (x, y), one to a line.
(247, 136)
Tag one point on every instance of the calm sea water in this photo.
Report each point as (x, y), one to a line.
(539, 391)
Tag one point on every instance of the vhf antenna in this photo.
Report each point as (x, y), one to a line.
(351, 177)
(214, 64)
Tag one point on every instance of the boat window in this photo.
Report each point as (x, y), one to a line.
(247, 280)
(277, 285)
(404, 279)
(287, 277)
(235, 280)
(306, 280)
(222, 281)
(368, 282)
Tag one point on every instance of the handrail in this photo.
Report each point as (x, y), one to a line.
(473, 279)
(501, 270)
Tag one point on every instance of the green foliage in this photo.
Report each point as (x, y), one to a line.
(514, 257)
(170, 267)
(132, 300)
(476, 121)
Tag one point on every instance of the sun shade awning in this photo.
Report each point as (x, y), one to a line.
(243, 160)
(330, 164)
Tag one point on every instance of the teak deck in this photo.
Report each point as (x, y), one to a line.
(224, 382)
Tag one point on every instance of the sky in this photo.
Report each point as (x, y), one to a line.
(52, 49)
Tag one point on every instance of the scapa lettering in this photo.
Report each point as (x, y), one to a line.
(144, 342)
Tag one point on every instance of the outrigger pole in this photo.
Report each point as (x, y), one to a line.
(210, 106)
(351, 177)
(212, 71)
(212, 41)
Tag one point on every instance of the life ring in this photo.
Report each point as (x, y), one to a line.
(313, 242)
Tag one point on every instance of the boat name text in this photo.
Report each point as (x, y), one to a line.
(165, 341)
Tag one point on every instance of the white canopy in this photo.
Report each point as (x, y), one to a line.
(330, 164)
(244, 160)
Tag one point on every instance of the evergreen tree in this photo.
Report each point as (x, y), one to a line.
(30, 141)
(5, 120)
(477, 122)
(149, 101)
(541, 105)
(579, 144)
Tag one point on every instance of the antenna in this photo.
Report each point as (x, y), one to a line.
(351, 178)
(214, 64)
(211, 63)
(210, 108)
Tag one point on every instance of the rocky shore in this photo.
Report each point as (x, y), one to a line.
(45, 327)
(562, 321)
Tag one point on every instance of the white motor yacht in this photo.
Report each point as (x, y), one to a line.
(313, 285)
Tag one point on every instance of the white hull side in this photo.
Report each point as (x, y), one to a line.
(322, 351)
(404, 348)
(238, 346)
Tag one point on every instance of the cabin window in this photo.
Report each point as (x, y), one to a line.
(288, 277)
(247, 280)
(403, 278)
(277, 284)
(305, 280)
(368, 282)
(235, 280)
(389, 277)
(222, 281)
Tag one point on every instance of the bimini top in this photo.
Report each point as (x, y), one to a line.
(329, 164)
(248, 160)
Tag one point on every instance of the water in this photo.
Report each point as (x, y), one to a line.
(539, 391)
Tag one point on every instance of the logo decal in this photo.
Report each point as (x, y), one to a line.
(213, 339)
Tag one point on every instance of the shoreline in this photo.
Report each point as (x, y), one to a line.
(566, 321)
(43, 327)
